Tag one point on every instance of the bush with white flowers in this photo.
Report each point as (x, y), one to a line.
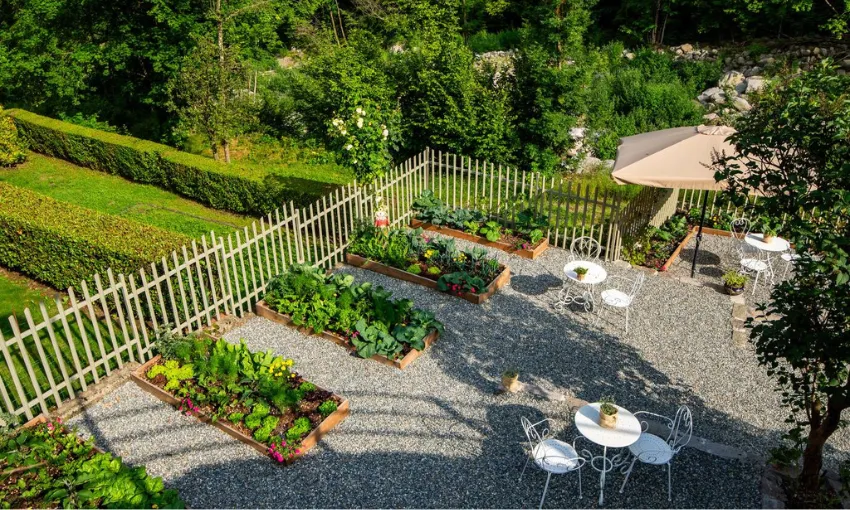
(364, 135)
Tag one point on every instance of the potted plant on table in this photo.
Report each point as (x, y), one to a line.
(770, 230)
(581, 272)
(607, 413)
(510, 380)
(734, 282)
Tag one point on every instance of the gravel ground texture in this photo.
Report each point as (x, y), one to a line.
(438, 435)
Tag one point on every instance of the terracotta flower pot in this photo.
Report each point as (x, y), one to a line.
(580, 277)
(768, 238)
(608, 421)
(510, 382)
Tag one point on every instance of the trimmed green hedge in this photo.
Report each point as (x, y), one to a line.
(237, 187)
(62, 244)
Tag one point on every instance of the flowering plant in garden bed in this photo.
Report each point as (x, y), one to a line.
(364, 315)
(526, 232)
(655, 245)
(258, 393)
(455, 271)
(48, 466)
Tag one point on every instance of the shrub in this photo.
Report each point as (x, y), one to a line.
(61, 244)
(242, 188)
(11, 149)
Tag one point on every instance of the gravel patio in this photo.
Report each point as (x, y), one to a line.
(437, 435)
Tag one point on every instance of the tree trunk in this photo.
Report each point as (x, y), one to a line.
(226, 145)
(215, 151)
(813, 454)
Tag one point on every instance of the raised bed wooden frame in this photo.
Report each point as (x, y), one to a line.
(520, 252)
(334, 419)
(263, 310)
(694, 230)
(38, 420)
(500, 281)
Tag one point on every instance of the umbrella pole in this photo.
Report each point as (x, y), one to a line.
(699, 233)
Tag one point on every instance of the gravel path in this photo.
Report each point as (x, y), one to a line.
(436, 435)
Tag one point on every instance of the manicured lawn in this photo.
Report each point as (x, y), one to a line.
(114, 195)
(18, 292)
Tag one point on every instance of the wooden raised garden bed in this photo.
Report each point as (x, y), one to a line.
(531, 253)
(694, 230)
(334, 419)
(263, 310)
(500, 281)
(38, 420)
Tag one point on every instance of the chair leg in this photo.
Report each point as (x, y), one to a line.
(627, 320)
(527, 458)
(579, 483)
(546, 488)
(669, 482)
(628, 473)
(756, 283)
(599, 315)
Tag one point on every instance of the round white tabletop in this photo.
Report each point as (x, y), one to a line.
(625, 432)
(776, 244)
(595, 272)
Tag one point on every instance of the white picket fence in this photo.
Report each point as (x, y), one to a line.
(51, 358)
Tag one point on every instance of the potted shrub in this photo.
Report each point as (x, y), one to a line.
(769, 229)
(581, 272)
(734, 282)
(607, 413)
(510, 380)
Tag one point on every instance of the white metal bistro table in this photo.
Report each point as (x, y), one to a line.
(625, 433)
(776, 245)
(595, 274)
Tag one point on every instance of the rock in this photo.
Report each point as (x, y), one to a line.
(609, 163)
(846, 63)
(752, 71)
(687, 48)
(766, 61)
(731, 79)
(397, 48)
(630, 55)
(741, 104)
(707, 94)
(754, 84)
(805, 52)
(590, 163)
(710, 117)
(741, 60)
(816, 51)
(577, 133)
(741, 88)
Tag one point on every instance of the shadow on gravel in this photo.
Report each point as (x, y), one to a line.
(534, 285)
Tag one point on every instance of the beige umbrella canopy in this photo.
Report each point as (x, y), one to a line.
(672, 158)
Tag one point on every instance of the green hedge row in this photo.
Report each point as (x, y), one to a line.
(62, 244)
(237, 187)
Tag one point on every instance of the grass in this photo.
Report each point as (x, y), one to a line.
(113, 195)
(19, 292)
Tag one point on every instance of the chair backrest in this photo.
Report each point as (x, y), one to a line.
(748, 251)
(682, 429)
(532, 433)
(585, 248)
(637, 284)
(739, 228)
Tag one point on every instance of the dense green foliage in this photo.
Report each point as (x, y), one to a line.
(258, 392)
(11, 148)
(67, 472)
(366, 316)
(238, 188)
(61, 244)
(456, 271)
(795, 142)
(654, 245)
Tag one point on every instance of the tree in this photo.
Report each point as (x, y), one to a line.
(796, 142)
(210, 97)
(11, 149)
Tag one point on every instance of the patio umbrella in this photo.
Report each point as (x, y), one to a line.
(678, 158)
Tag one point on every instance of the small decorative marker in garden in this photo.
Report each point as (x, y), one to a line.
(510, 380)
(607, 413)
(382, 217)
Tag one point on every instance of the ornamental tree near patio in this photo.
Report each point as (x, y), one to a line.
(797, 144)
(363, 136)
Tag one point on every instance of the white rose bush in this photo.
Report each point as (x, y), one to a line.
(364, 135)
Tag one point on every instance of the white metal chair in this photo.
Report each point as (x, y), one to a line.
(658, 451)
(621, 294)
(585, 248)
(790, 258)
(739, 228)
(551, 455)
(753, 262)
